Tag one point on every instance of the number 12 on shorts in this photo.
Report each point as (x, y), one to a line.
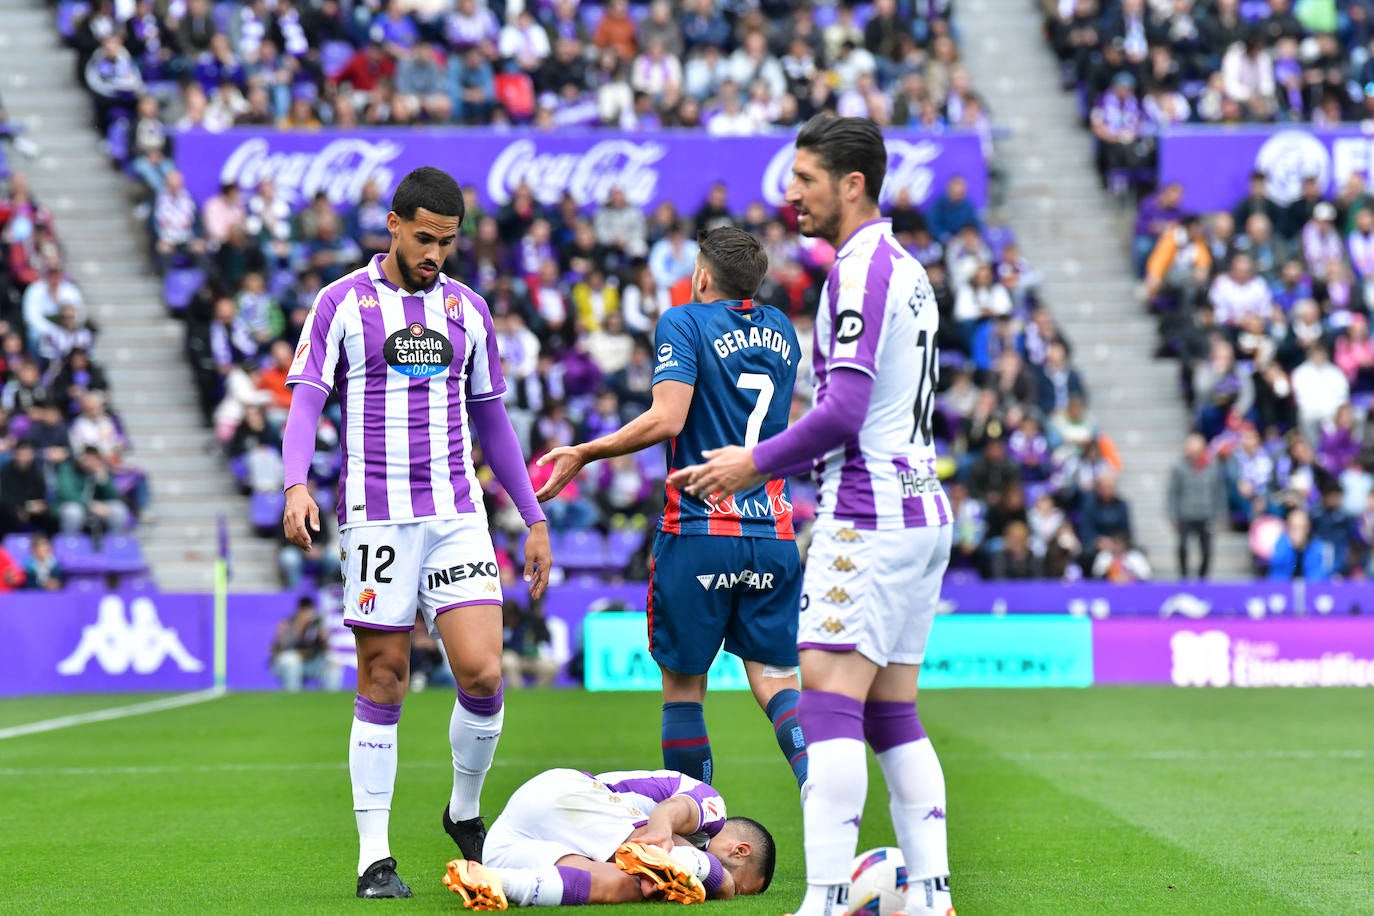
(385, 555)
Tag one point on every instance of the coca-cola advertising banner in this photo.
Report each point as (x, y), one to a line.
(649, 167)
(1331, 652)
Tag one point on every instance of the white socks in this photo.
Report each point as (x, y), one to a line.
(916, 790)
(473, 732)
(372, 770)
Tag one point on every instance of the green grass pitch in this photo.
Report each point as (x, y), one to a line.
(1128, 801)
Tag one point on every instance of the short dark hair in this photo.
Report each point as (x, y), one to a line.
(431, 189)
(845, 145)
(736, 260)
(765, 855)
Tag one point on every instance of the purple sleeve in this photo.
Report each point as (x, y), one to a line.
(715, 877)
(298, 439)
(710, 805)
(838, 417)
(492, 425)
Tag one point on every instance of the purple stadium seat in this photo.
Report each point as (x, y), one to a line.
(180, 286)
(76, 554)
(999, 237)
(122, 554)
(581, 551)
(117, 141)
(17, 546)
(264, 511)
(67, 14)
(4, 165)
(334, 55)
(621, 545)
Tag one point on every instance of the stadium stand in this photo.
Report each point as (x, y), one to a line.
(575, 294)
(1264, 306)
(63, 456)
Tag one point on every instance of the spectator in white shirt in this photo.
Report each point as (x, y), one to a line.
(704, 73)
(1321, 243)
(176, 222)
(1238, 292)
(525, 42)
(44, 299)
(1319, 388)
(95, 428)
(753, 62)
(982, 297)
(1247, 74)
(656, 72)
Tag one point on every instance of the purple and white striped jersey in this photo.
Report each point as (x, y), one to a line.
(405, 367)
(647, 789)
(878, 315)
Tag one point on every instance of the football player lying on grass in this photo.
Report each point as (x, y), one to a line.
(568, 838)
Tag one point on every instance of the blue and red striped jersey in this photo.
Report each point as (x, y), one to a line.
(741, 359)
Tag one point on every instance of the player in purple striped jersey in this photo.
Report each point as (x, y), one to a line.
(412, 355)
(882, 534)
(666, 833)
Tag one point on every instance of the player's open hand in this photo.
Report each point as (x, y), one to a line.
(727, 470)
(567, 464)
(302, 516)
(538, 558)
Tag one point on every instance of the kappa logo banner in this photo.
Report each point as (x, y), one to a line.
(120, 643)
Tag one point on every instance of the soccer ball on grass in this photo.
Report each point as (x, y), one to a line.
(877, 885)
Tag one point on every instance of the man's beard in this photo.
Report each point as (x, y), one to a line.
(827, 228)
(409, 274)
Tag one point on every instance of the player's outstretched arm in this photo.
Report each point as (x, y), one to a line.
(662, 421)
(302, 514)
(836, 419)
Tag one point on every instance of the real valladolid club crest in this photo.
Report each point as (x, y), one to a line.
(451, 307)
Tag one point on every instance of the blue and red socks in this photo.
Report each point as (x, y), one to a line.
(782, 712)
(686, 746)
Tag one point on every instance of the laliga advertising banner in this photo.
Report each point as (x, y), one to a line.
(650, 167)
(1214, 163)
(1307, 652)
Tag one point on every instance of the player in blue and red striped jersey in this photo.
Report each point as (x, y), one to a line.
(726, 570)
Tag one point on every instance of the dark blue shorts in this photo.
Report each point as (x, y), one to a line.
(709, 589)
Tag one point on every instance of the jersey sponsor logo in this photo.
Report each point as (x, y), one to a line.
(118, 643)
(452, 307)
(833, 625)
(848, 536)
(914, 484)
(418, 352)
(755, 338)
(843, 564)
(759, 582)
(850, 327)
(836, 595)
(665, 353)
(713, 808)
(764, 506)
(368, 302)
(461, 571)
(367, 600)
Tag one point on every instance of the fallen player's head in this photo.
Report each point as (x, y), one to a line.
(746, 849)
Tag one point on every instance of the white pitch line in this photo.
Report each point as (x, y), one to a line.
(105, 715)
(1065, 756)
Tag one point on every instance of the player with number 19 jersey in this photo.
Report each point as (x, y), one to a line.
(736, 557)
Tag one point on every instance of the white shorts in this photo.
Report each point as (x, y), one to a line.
(437, 564)
(559, 813)
(872, 591)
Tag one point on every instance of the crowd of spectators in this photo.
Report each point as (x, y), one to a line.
(575, 293)
(63, 454)
(1266, 308)
(728, 68)
(1139, 66)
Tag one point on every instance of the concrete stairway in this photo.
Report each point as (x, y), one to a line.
(1080, 238)
(140, 347)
